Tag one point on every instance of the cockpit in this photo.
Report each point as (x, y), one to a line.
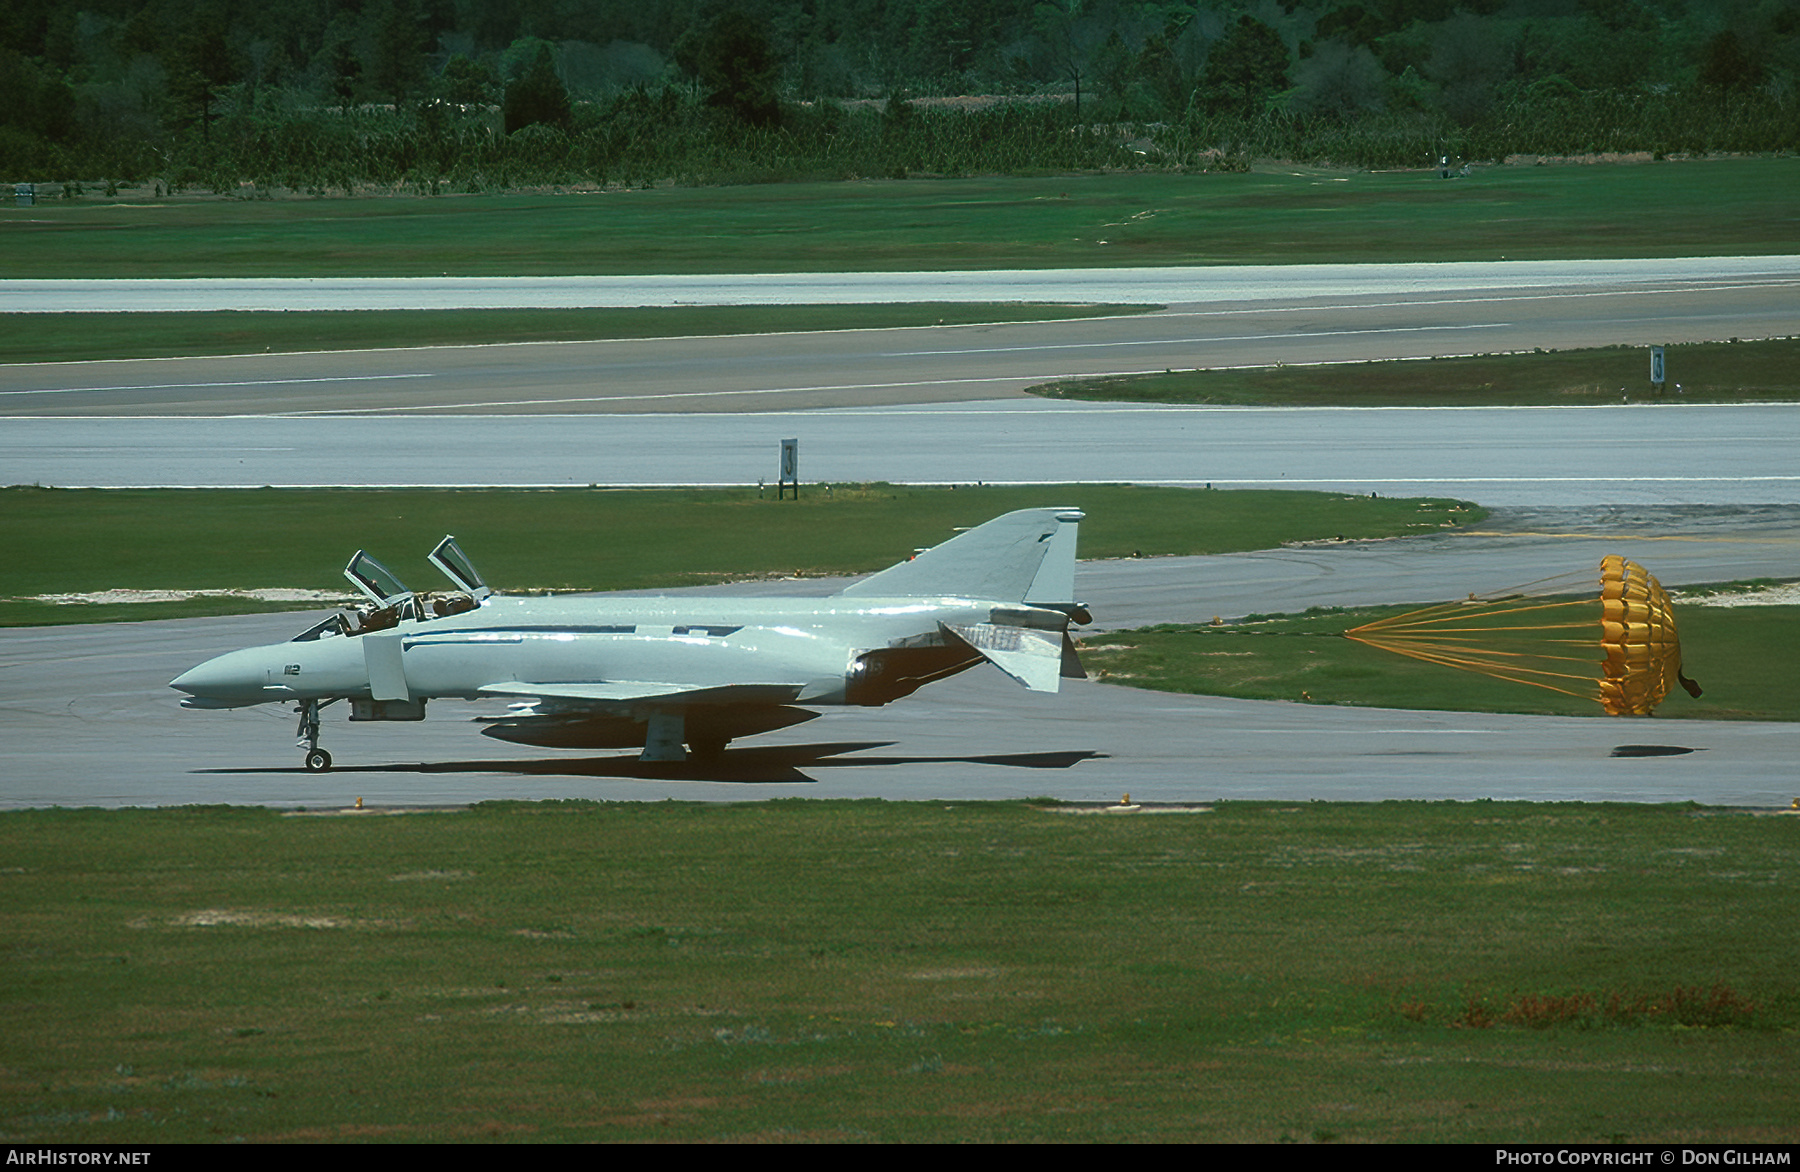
(390, 602)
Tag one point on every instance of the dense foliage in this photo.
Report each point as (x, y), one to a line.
(323, 94)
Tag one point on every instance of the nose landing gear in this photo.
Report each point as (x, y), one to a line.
(307, 737)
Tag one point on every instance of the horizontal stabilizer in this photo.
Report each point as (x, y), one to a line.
(630, 691)
(1034, 658)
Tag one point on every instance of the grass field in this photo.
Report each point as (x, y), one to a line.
(1287, 215)
(1743, 656)
(1709, 372)
(60, 540)
(70, 337)
(866, 972)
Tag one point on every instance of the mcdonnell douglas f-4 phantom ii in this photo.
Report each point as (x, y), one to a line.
(673, 674)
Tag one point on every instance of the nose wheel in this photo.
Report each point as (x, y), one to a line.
(317, 759)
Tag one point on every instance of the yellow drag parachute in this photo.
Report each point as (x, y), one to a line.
(1619, 649)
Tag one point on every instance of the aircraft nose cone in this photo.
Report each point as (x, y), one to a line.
(236, 677)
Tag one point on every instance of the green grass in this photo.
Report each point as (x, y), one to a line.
(1742, 656)
(82, 540)
(1720, 207)
(1709, 372)
(869, 972)
(70, 337)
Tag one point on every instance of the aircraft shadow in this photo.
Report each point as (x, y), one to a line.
(751, 765)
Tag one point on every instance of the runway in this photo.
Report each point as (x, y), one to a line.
(88, 719)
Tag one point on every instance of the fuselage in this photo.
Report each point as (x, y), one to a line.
(812, 647)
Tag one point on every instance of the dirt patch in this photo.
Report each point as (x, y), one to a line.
(272, 594)
(1788, 595)
(216, 917)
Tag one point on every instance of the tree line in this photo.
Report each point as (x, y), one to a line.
(466, 95)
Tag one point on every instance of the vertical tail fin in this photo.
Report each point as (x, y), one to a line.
(1024, 556)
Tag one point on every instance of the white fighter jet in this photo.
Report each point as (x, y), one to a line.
(674, 674)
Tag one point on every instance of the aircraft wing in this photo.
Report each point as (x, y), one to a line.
(631, 691)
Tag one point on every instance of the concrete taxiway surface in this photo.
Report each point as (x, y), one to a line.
(86, 716)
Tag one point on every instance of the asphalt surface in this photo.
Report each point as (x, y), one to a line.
(86, 717)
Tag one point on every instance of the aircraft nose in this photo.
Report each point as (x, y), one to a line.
(234, 678)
